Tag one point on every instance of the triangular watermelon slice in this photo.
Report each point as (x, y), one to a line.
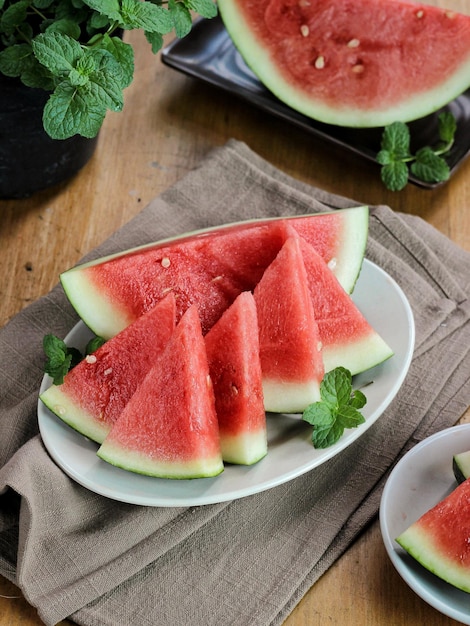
(234, 364)
(364, 63)
(347, 338)
(169, 427)
(290, 345)
(95, 391)
(439, 539)
(208, 269)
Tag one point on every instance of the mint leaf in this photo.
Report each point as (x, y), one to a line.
(57, 52)
(123, 53)
(206, 8)
(427, 164)
(94, 344)
(447, 127)
(182, 21)
(394, 175)
(59, 358)
(396, 140)
(337, 410)
(150, 17)
(110, 8)
(70, 111)
(13, 16)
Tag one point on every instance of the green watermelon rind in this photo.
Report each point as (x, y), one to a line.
(244, 448)
(289, 397)
(357, 356)
(134, 461)
(259, 60)
(461, 466)
(418, 543)
(70, 412)
(107, 319)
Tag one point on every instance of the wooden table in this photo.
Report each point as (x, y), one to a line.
(168, 125)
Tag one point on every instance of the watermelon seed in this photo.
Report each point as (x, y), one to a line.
(59, 410)
(108, 371)
(90, 358)
(420, 14)
(450, 14)
(304, 3)
(353, 43)
(320, 62)
(332, 263)
(358, 68)
(304, 30)
(166, 262)
(235, 390)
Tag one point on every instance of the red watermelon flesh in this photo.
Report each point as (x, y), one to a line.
(169, 427)
(232, 347)
(354, 62)
(208, 270)
(291, 360)
(440, 539)
(95, 391)
(347, 338)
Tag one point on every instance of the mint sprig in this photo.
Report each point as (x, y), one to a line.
(72, 49)
(60, 357)
(427, 164)
(337, 410)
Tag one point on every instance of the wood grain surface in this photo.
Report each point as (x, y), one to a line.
(169, 123)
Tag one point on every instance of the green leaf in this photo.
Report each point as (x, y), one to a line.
(59, 358)
(66, 27)
(14, 60)
(107, 80)
(155, 40)
(395, 175)
(150, 17)
(447, 127)
(124, 55)
(338, 408)
(58, 52)
(13, 16)
(206, 8)
(71, 111)
(182, 20)
(94, 344)
(430, 167)
(396, 139)
(110, 8)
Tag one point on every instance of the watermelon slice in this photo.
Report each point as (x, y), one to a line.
(232, 347)
(96, 390)
(169, 427)
(209, 269)
(358, 63)
(440, 539)
(347, 338)
(290, 345)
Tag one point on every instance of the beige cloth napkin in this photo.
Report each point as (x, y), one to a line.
(249, 561)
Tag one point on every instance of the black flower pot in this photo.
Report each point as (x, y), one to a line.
(29, 159)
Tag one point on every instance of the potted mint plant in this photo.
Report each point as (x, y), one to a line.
(63, 65)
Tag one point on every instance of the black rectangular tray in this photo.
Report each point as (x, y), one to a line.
(208, 54)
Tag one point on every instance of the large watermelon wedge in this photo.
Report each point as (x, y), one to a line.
(95, 391)
(289, 340)
(232, 346)
(347, 338)
(440, 539)
(209, 268)
(360, 63)
(169, 427)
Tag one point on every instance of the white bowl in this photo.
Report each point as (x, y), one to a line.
(421, 479)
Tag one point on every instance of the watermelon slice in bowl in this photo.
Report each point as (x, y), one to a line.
(290, 451)
(419, 481)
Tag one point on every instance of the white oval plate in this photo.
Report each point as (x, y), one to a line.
(421, 479)
(290, 450)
